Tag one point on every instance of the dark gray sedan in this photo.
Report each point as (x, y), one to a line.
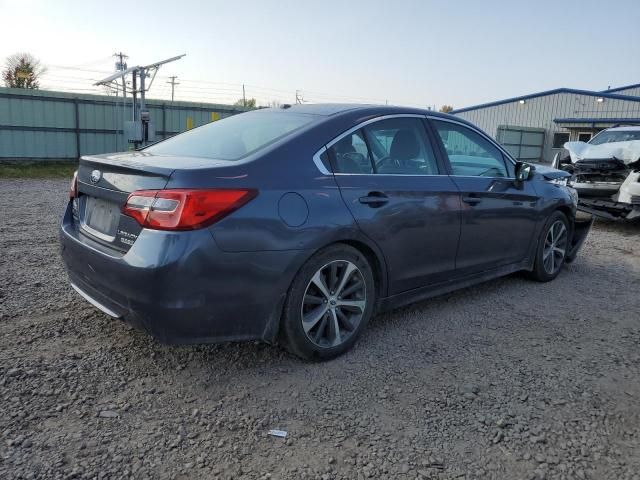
(298, 224)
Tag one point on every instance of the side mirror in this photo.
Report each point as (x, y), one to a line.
(523, 171)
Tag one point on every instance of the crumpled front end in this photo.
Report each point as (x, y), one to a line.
(605, 177)
(623, 205)
(626, 152)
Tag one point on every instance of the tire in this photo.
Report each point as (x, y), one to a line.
(552, 248)
(322, 297)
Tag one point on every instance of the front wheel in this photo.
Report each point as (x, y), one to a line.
(329, 303)
(552, 248)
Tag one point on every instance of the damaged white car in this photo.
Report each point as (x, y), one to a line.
(606, 172)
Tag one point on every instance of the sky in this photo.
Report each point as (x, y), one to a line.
(406, 52)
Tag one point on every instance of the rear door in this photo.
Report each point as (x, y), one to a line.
(499, 214)
(396, 190)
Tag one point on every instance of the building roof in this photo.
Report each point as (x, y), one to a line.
(617, 89)
(592, 122)
(551, 92)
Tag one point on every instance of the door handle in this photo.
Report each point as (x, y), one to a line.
(471, 199)
(374, 199)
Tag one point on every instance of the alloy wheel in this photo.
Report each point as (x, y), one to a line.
(555, 247)
(334, 303)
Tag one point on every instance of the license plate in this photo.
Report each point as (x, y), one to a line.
(102, 216)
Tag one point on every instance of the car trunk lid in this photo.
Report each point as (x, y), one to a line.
(104, 183)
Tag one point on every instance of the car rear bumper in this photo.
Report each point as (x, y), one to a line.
(179, 286)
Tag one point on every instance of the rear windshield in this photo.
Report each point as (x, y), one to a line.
(233, 137)
(613, 136)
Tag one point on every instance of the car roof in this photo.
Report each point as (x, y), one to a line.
(628, 127)
(329, 109)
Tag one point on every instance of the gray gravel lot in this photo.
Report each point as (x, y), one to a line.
(510, 379)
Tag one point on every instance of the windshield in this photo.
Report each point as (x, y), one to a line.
(233, 137)
(613, 136)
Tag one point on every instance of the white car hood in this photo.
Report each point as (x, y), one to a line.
(628, 152)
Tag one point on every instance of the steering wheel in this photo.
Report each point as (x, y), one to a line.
(387, 161)
(493, 170)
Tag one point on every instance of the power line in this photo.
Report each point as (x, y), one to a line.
(213, 91)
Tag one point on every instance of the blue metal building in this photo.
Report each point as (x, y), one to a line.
(534, 127)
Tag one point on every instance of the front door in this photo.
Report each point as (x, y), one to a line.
(498, 213)
(393, 185)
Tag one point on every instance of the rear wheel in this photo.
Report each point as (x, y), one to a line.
(329, 303)
(552, 248)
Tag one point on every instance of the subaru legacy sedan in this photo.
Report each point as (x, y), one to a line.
(295, 225)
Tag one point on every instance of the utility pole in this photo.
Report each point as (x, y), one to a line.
(121, 66)
(141, 128)
(244, 98)
(144, 113)
(173, 84)
(134, 91)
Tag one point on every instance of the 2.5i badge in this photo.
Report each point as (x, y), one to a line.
(127, 238)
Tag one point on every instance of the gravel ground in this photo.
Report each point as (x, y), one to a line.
(510, 379)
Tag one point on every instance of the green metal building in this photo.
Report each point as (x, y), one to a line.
(48, 125)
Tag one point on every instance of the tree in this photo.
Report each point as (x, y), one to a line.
(446, 108)
(22, 70)
(250, 103)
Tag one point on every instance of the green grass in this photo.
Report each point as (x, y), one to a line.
(38, 170)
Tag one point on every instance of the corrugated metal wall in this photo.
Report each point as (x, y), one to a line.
(44, 125)
(539, 112)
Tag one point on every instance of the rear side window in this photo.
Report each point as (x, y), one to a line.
(351, 154)
(470, 154)
(399, 146)
(233, 137)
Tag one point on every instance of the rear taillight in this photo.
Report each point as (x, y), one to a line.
(183, 209)
(73, 189)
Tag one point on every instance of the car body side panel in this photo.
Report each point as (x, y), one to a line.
(424, 293)
(417, 230)
(499, 219)
(270, 215)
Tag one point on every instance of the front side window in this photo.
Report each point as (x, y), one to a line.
(470, 154)
(233, 137)
(399, 146)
